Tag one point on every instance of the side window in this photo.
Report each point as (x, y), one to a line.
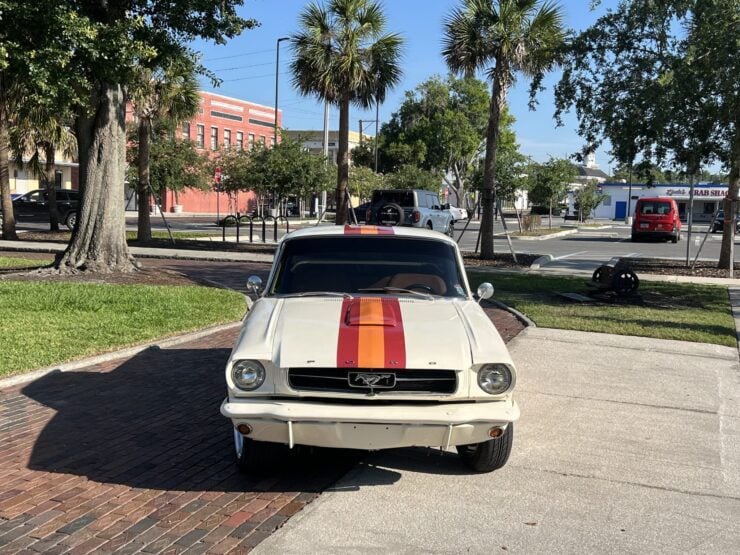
(62, 196)
(34, 197)
(433, 201)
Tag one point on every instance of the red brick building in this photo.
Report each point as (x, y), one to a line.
(223, 123)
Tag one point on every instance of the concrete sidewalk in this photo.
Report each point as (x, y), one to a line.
(624, 445)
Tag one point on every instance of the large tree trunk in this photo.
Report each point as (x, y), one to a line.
(144, 229)
(8, 216)
(343, 162)
(50, 181)
(99, 239)
(498, 101)
(728, 233)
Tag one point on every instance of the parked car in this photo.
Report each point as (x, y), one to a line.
(34, 206)
(361, 211)
(719, 222)
(369, 337)
(656, 218)
(457, 213)
(409, 207)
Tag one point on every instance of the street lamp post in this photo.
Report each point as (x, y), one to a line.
(277, 82)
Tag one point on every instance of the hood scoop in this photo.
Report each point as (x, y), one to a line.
(372, 311)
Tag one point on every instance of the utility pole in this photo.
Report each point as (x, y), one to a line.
(360, 132)
(325, 150)
(377, 131)
(277, 82)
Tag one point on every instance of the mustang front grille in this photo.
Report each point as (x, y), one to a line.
(376, 380)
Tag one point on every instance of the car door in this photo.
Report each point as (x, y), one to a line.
(30, 206)
(438, 216)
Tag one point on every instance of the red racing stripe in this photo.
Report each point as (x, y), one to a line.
(349, 338)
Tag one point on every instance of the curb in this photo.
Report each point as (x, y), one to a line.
(528, 323)
(546, 237)
(541, 261)
(113, 355)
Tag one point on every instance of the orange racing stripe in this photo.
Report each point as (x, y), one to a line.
(371, 334)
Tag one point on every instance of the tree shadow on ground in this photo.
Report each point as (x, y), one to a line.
(154, 422)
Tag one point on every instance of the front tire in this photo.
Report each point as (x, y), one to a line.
(490, 455)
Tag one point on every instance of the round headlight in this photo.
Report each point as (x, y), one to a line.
(248, 374)
(494, 378)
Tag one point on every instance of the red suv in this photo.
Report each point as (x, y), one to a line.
(656, 218)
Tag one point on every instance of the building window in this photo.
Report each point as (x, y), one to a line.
(263, 139)
(709, 208)
(186, 131)
(607, 201)
(227, 139)
(251, 141)
(200, 141)
(272, 142)
(214, 138)
(239, 140)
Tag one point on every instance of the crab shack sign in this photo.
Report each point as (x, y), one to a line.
(700, 191)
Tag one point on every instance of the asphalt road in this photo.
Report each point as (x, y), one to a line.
(639, 458)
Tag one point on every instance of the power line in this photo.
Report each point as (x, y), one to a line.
(254, 77)
(243, 67)
(239, 55)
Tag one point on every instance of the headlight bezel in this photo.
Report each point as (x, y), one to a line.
(241, 366)
(504, 370)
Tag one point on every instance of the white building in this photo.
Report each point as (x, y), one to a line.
(708, 199)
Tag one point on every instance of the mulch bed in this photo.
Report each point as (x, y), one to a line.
(677, 267)
(500, 261)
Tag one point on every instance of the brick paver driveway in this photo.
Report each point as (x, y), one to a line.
(134, 456)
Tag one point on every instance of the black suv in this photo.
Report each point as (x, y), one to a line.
(409, 207)
(34, 206)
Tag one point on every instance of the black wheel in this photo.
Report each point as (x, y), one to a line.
(633, 238)
(489, 455)
(70, 220)
(598, 273)
(391, 214)
(229, 221)
(674, 238)
(451, 230)
(257, 456)
(429, 226)
(625, 282)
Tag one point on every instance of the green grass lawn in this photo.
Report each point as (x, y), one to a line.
(10, 262)
(685, 312)
(43, 324)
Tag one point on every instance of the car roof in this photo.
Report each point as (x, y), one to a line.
(651, 199)
(368, 231)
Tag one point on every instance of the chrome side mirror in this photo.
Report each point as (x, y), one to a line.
(485, 291)
(254, 284)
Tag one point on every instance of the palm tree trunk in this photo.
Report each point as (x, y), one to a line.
(9, 233)
(727, 254)
(343, 162)
(498, 101)
(99, 239)
(144, 229)
(50, 155)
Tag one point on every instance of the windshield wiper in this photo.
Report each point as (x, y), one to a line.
(317, 294)
(396, 290)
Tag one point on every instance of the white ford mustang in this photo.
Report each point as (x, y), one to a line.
(369, 338)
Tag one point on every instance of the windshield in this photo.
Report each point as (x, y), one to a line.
(367, 265)
(660, 208)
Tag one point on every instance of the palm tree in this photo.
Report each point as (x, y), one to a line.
(503, 38)
(343, 56)
(41, 135)
(166, 95)
(9, 97)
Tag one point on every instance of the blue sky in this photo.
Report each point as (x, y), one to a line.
(246, 65)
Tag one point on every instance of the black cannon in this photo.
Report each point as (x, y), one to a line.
(615, 276)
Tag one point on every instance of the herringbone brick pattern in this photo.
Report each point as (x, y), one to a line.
(134, 456)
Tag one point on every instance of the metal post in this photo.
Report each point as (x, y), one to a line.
(264, 230)
(690, 218)
(628, 215)
(377, 131)
(277, 82)
(275, 233)
(251, 230)
(238, 226)
(325, 151)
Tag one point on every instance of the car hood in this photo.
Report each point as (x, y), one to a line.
(369, 332)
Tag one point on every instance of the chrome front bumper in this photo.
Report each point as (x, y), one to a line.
(369, 427)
